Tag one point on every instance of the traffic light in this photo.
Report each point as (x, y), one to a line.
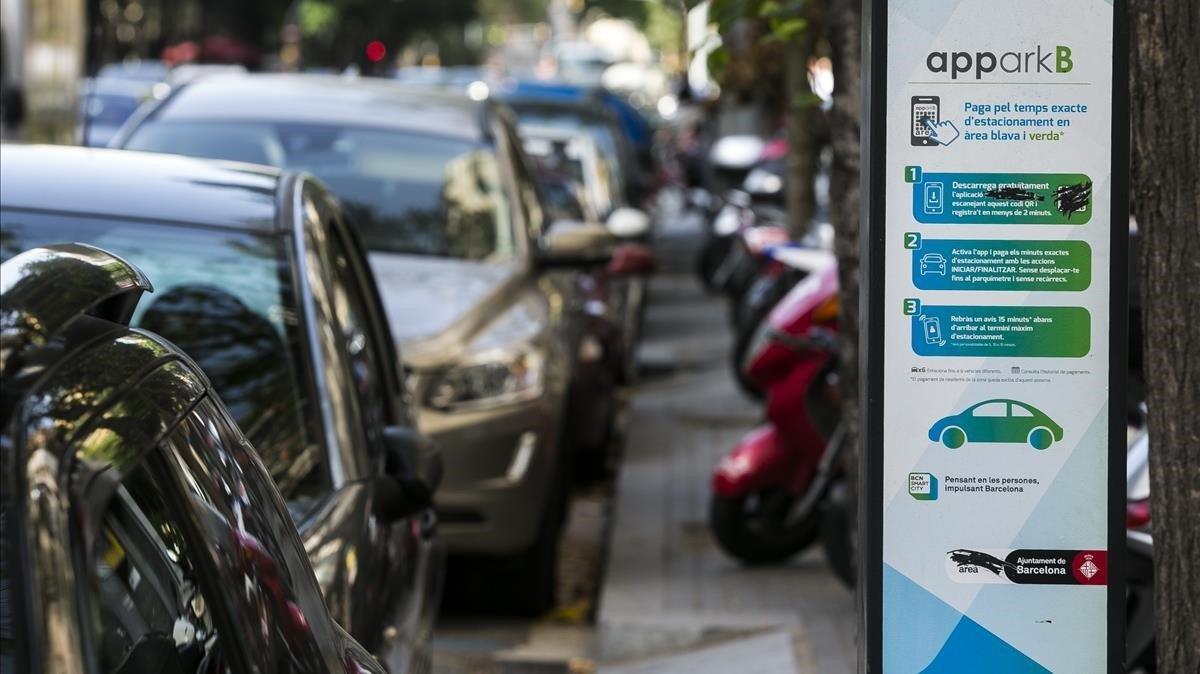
(376, 51)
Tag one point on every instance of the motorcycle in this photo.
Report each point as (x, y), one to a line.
(746, 261)
(782, 267)
(736, 175)
(767, 491)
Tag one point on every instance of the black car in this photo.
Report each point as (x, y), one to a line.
(263, 284)
(139, 531)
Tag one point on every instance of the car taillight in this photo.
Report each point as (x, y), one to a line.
(1137, 513)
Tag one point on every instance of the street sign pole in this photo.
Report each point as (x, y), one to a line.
(995, 319)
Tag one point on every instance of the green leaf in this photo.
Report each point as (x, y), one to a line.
(788, 29)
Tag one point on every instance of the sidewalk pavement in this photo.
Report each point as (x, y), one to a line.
(668, 588)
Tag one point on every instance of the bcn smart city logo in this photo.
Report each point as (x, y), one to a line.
(1055, 60)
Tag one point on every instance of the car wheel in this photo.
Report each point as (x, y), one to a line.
(535, 578)
(954, 437)
(1041, 438)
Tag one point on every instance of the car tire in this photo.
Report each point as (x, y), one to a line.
(953, 437)
(1040, 438)
(533, 585)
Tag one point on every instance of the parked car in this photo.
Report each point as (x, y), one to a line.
(261, 281)
(563, 154)
(544, 107)
(481, 289)
(146, 72)
(106, 104)
(636, 132)
(132, 504)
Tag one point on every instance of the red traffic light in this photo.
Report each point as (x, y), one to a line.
(376, 50)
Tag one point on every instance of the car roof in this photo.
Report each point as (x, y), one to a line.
(123, 184)
(556, 133)
(327, 99)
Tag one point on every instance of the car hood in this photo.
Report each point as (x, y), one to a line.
(434, 300)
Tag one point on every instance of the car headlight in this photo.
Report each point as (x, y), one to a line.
(491, 379)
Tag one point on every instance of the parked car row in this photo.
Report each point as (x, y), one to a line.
(362, 259)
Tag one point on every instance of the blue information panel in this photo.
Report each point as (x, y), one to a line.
(991, 462)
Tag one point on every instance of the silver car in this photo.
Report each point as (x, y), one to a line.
(481, 291)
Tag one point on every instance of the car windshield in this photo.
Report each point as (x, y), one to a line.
(407, 192)
(222, 296)
(568, 157)
(103, 108)
(602, 133)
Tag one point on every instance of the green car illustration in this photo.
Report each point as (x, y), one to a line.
(997, 420)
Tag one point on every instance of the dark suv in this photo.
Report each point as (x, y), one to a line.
(263, 284)
(139, 531)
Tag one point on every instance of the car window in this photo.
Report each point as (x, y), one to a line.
(602, 133)
(561, 192)
(365, 363)
(101, 108)
(528, 199)
(149, 613)
(579, 159)
(408, 193)
(350, 380)
(224, 297)
(277, 610)
(1021, 411)
(991, 410)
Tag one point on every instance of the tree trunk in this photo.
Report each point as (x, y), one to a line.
(844, 22)
(802, 117)
(1165, 99)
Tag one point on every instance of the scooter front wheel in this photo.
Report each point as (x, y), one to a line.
(753, 527)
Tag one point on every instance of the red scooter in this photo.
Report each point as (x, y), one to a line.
(766, 492)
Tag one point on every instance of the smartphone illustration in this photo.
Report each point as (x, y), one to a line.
(924, 108)
(932, 327)
(933, 198)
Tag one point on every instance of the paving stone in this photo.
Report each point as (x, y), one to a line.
(762, 654)
(668, 587)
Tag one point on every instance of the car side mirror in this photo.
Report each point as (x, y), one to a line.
(412, 456)
(396, 498)
(412, 473)
(576, 244)
(628, 223)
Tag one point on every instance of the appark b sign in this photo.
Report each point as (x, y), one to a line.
(996, 272)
